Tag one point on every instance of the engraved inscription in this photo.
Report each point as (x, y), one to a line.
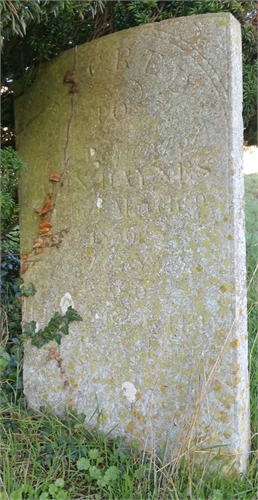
(179, 82)
(154, 62)
(123, 58)
(95, 64)
(117, 111)
(134, 90)
(120, 111)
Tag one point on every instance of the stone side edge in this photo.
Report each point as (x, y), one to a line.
(235, 146)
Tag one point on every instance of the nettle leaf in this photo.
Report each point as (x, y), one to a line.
(60, 482)
(102, 482)
(17, 494)
(83, 464)
(111, 473)
(44, 496)
(61, 495)
(93, 454)
(29, 328)
(95, 473)
(52, 489)
(72, 315)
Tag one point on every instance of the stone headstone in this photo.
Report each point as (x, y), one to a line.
(143, 143)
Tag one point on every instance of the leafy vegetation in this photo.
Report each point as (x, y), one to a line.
(35, 31)
(11, 166)
(55, 329)
(251, 197)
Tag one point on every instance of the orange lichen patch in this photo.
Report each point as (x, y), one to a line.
(24, 256)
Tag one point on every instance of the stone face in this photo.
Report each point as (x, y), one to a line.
(149, 151)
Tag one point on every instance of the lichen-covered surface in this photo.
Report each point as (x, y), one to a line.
(150, 157)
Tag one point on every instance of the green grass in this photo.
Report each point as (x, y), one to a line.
(251, 208)
(45, 456)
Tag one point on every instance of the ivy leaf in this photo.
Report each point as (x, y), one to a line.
(64, 329)
(31, 290)
(57, 337)
(46, 333)
(55, 322)
(29, 328)
(38, 341)
(72, 315)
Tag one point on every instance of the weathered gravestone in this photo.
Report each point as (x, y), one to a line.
(147, 234)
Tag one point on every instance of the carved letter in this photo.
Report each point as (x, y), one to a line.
(123, 55)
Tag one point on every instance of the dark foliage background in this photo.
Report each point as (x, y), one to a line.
(35, 31)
